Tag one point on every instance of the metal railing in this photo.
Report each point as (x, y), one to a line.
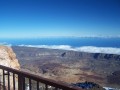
(12, 79)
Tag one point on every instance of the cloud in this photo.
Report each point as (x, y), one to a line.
(63, 47)
(5, 44)
(90, 49)
(93, 49)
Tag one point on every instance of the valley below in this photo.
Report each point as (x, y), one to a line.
(70, 66)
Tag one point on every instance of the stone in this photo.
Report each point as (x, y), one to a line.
(8, 59)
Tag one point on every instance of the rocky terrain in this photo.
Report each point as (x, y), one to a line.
(8, 58)
(71, 66)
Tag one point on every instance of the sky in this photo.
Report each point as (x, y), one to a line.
(58, 18)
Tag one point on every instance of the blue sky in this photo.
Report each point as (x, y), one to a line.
(45, 18)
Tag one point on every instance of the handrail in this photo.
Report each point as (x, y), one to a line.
(21, 80)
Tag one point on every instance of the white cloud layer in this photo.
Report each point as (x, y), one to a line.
(90, 49)
(5, 43)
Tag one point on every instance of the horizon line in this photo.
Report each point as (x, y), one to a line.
(92, 36)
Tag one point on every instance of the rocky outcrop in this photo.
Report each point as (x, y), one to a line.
(8, 57)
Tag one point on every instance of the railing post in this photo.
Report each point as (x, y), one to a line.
(3, 79)
(14, 81)
(46, 87)
(21, 82)
(8, 80)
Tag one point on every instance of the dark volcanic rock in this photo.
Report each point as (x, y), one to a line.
(89, 86)
(114, 78)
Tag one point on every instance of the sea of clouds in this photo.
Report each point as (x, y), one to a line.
(90, 49)
(5, 44)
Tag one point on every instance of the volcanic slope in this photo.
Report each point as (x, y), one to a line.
(70, 66)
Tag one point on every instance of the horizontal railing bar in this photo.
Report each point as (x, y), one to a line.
(40, 79)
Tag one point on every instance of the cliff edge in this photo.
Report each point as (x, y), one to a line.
(8, 58)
